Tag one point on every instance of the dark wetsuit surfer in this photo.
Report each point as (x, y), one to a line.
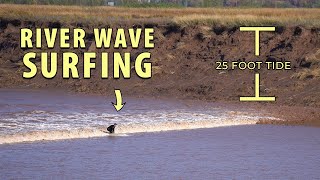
(111, 128)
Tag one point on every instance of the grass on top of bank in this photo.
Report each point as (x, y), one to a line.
(181, 16)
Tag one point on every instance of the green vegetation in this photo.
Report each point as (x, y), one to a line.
(177, 3)
(152, 5)
(56, 2)
(179, 16)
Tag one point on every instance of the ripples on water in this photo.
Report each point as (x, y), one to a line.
(238, 152)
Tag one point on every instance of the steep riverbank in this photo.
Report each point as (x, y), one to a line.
(184, 66)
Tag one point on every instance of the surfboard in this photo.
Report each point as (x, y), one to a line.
(115, 134)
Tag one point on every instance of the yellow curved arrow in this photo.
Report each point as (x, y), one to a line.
(118, 105)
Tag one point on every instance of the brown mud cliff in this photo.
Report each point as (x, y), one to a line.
(184, 65)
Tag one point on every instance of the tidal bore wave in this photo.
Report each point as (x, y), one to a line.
(121, 130)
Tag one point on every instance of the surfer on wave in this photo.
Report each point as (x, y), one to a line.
(111, 128)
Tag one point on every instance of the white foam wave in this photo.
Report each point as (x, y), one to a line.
(51, 135)
(121, 130)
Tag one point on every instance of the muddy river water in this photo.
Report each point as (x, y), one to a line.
(55, 135)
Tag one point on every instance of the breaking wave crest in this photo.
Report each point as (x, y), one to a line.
(120, 130)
